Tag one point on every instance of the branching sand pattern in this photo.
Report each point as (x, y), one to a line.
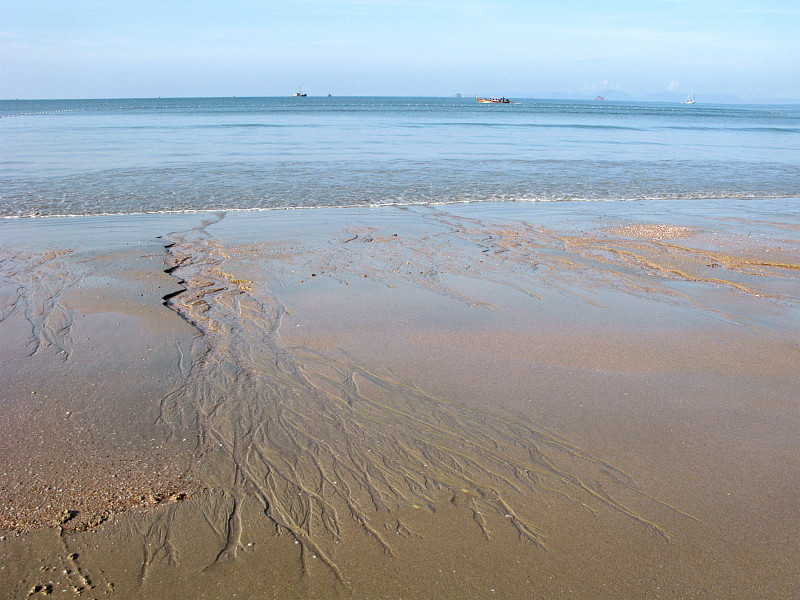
(645, 260)
(320, 440)
(619, 256)
(33, 284)
(653, 248)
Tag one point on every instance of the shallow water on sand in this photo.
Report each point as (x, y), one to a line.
(89, 157)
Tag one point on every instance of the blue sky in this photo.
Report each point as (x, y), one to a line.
(94, 48)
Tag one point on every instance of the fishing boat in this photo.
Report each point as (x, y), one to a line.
(300, 93)
(493, 100)
(690, 99)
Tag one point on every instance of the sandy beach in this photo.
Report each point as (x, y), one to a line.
(582, 400)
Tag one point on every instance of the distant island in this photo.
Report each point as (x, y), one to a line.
(599, 98)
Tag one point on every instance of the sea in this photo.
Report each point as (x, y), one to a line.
(163, 155)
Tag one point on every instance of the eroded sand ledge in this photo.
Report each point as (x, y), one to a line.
(539, 402)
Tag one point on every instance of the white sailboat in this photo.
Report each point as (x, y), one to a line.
(690, 99)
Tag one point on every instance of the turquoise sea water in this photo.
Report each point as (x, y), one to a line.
(83, 157)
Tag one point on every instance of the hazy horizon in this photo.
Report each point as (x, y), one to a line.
(620, 97)
(739, 51)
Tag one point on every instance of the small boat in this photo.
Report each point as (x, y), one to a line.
(690, 99)
(493, 100)
(300, 93)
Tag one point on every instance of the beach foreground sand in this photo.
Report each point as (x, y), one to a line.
(473, 401)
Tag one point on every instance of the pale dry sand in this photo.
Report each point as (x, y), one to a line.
(477, 401)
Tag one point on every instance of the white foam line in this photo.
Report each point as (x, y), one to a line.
(190, 211)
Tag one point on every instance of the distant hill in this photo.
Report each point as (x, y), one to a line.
(700, 98)
(621, 96)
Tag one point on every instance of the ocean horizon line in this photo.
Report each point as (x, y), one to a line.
(518, 97)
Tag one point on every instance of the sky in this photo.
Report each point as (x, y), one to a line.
(572, 48)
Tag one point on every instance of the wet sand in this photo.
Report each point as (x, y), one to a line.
(500, 401)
